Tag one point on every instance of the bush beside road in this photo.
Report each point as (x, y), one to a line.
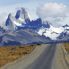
(66, 52)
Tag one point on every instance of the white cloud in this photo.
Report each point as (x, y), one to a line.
(54, 13)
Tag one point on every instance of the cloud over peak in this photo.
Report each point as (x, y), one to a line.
(52, 9)
(53, 12)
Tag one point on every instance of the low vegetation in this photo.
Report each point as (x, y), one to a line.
(11, 53)
(66, 45)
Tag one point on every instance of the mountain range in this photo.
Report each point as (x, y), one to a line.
(19, 29)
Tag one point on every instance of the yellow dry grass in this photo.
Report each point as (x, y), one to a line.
(11, 53)
(66, 45)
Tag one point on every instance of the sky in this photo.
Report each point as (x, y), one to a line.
(11, 2)
(9, 6)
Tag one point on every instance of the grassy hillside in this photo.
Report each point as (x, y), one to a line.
(9, 54)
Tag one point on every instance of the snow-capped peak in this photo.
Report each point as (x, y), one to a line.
(22, 15)
(66, 27)
(8, 21)
(19, 19)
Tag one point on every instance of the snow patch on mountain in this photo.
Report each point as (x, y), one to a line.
(51, 32)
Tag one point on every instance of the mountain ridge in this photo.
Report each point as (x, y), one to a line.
(21, 30)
